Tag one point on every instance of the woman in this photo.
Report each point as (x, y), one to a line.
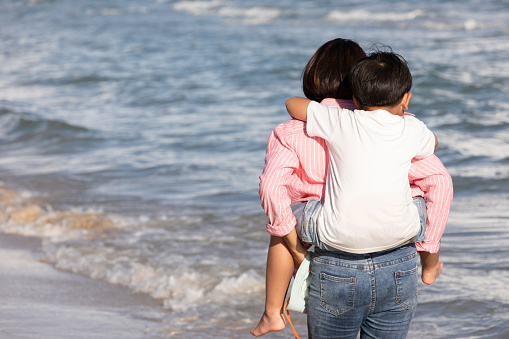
(295, 171)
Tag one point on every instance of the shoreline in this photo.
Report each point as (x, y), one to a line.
(39, 301)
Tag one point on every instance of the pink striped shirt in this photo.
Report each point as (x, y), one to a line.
(296, 167)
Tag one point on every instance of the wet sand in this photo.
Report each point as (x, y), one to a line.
(39, 301)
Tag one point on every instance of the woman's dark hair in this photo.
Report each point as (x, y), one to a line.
(326, 73)
(380, 79)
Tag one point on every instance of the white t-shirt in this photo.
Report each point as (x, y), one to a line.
(368, 206)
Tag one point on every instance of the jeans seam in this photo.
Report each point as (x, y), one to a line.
(373, 285)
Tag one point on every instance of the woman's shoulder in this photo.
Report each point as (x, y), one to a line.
(293, 133)
(342, 103)
(291, 127)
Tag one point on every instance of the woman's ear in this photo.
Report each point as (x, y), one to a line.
(356, 102)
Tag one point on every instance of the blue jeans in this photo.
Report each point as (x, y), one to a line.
(421, 208)
(374, 293)
(306, 214)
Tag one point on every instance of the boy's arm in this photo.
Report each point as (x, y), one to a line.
(297, 107)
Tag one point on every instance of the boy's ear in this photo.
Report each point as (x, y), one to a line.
(405, 100)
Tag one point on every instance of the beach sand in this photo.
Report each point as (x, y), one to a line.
(39, 301)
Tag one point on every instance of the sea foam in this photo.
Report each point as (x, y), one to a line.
(363, 15)
(234, 15)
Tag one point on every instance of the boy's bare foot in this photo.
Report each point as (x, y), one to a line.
(267, 324)
(429, 276)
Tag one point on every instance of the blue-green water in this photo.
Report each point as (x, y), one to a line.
(132, 135)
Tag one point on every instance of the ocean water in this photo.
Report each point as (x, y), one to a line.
(132, 135)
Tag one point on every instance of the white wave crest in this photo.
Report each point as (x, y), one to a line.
(364, 15)
(174, 281)
(467, 25)
(248, 16)
(248, 282)
(198, 7)
(21, 214)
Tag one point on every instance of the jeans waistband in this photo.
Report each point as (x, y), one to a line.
(364, 255)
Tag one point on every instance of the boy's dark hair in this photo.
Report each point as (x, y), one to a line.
(326, 73)
(380, 79)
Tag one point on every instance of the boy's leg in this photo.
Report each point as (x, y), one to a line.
(280, 269)
(421, 208)
(431, 265)
(306, 214)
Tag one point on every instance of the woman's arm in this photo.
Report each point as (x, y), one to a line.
(297, 107)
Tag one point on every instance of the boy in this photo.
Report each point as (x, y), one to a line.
(367, 206)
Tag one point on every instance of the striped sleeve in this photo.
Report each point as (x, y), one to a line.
(280, 163)
(430, 179)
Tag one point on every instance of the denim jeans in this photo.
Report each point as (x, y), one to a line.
(374, 293)
(421, 208)
(306, 214)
